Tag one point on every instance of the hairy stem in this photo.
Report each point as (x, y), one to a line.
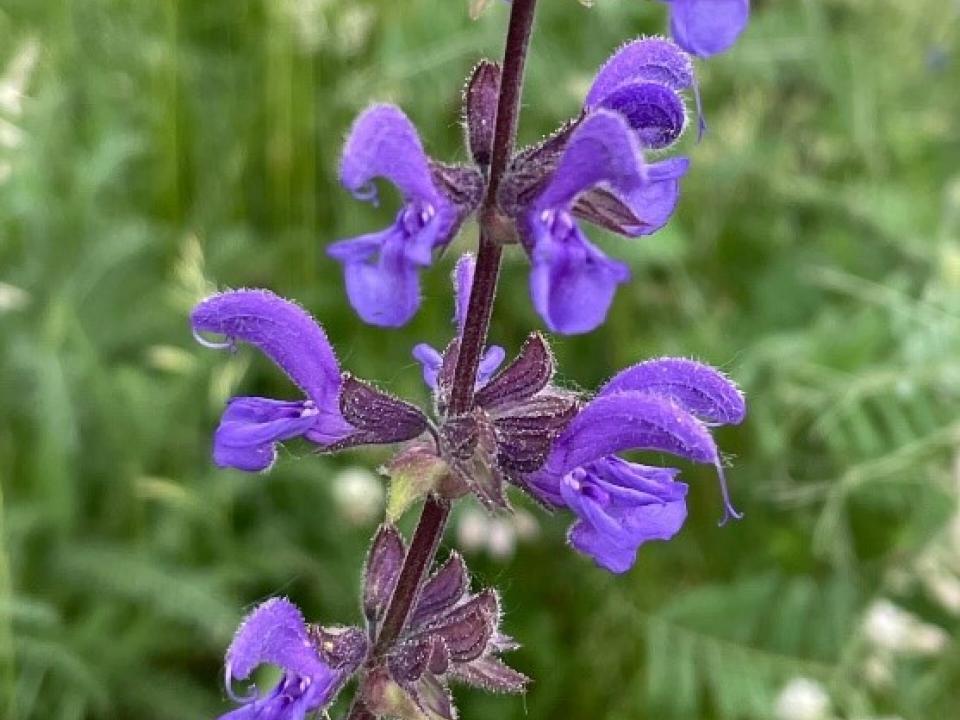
(488, 256)
(433, 519)
(426, 538)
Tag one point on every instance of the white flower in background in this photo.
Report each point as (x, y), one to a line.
(354, 27)
(525, 525)
(477, 532)
(171, 359)
(935, 571)
(472, 530)
(501, 538)
(307, 22)
(13, 86)
(10, 135)
(11, 297)
(802, 699)
(358, 495)
(937, 567)
(878, 670)
(322, 23)
(16, 76)
(890, 628)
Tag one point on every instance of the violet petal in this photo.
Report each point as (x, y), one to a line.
(283, 331)
(631, 421)
(651, 59)
(250, 428)
(655, 112)
(430, 361)
(700, 389)
(462, 286)
(275, 632)
(708, 27)
(383, 283)
(620, 506)
(655, 200)
(572, 282)
(603, 149)
(384, 143)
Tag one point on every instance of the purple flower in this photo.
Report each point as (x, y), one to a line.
(595, 170)
(276, 633)
(251, 427)
(572, 282)
(707, 27)
(431, 359)
(340, 411)
(382, 268)
(662, 405)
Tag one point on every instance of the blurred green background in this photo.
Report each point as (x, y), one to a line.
(151, 150)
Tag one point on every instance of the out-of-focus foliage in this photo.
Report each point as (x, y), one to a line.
(152, 150)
